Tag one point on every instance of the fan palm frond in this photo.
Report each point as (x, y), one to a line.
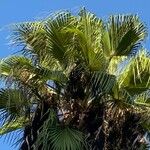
(135, 77)
(27, 35)
(13, 101)
(123, 35)
(18, 123)
(46, 74)
(87, 40)
(66, 138)
(58, 41)
(16, 68)
(101, 84)
(54, 136)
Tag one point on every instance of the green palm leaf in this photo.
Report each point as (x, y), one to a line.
(18, 123)
(64, 138)
(87, 41)
(123, 35)
(13, 101)
(135, 77)
(15, 67)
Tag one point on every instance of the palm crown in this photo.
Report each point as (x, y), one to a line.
(79, 83)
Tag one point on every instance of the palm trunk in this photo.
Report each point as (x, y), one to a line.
(31, 131)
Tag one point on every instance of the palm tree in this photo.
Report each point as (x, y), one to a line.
(78, 83)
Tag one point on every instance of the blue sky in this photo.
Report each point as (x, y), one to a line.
(13, 11)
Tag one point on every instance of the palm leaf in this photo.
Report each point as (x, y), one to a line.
(123, 35)
(18, 123)
(13, 104)
(12, 98)
(46, 74)
(58, 40)
(87, 38)
(15, 67)
(135, 76)
(101, 83)
(64, 138)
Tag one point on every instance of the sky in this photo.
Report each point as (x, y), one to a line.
(15, 11)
